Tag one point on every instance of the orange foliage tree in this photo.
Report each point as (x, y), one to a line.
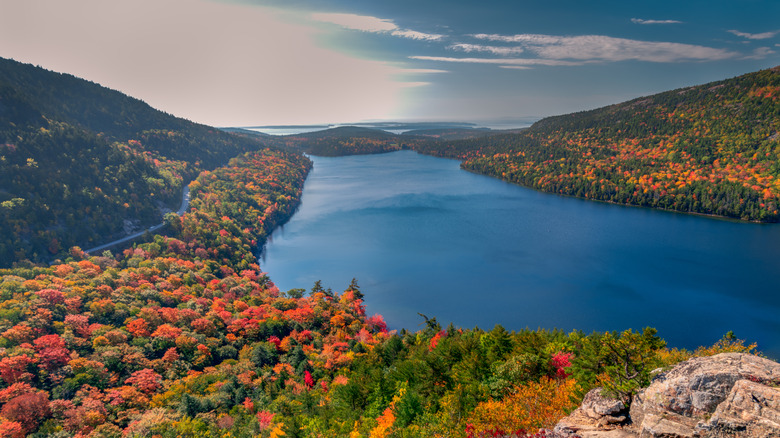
(530, 407)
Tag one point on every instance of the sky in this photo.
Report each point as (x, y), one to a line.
(283, 62)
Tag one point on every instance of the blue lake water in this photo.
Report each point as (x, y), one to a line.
(422, 235)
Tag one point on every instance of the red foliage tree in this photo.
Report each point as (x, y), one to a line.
(145, 380)
(14, 369)
(171, 355)
(15, 390)
(377, 323)
(19, 333)
(308, 380)
(51, 352)
(560, 361)
(204, 326)
(51, 296)
(167, 331)
(27, 410)
(276, 341)
(249, 405)
(138, 328)
(11, 429)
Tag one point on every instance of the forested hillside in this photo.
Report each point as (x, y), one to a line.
(355, 140)
(710, 149)
(346, 140)
(185, 337)
(82, 164)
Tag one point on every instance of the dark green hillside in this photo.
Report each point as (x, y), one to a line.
(710, 149)
(347, 140)
(81, 164)
(452, 133)
(345, 132)
(356, 140)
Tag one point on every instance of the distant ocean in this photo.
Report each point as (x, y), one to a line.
(288, 130)
(392, 127)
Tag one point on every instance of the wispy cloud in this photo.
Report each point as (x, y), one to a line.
(761, 53)
(423, 71)
(755, 36)
(367, 23)
(603, 48)
(413, 84)
(641, 21)
(362, 23)
(413, 34)
(500, 61)
(496, 50)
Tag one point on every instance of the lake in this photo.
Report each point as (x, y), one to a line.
(422, 235)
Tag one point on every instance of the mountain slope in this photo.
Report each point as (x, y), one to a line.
(709, 149)
(344, 140)
(81, 164)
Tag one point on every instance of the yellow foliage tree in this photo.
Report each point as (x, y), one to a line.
(528, 408)
(277, 431)
(386, 420)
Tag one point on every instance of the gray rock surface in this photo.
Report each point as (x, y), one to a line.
(595, 405)
(681, 402)
(726, 395)
(750, 409)
(597, 416)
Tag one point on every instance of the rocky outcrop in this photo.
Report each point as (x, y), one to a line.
(751, 409)
(597, 416)
(727, 395)
(683, 402)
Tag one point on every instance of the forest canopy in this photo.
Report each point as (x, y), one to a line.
(81, 164)
(183, 336)
(710, 149)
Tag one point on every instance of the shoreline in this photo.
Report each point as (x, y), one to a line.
(691, 213)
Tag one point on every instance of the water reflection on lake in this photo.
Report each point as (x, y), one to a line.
(422, 235)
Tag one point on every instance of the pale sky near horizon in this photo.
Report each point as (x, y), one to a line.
(268, 62)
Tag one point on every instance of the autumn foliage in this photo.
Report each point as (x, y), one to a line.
(710, 149)
(185, 336)
(92, 344)
(530, 407)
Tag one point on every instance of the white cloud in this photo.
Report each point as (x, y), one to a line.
(414, 84)
(366, 23)
(413, 34)
(504, 61)
(605, 48)
(422, 71)
(755, 36)
(761, 53)
(521, 38)
(641, 21)
(362, 23)
(501, 51)
(212, 62)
